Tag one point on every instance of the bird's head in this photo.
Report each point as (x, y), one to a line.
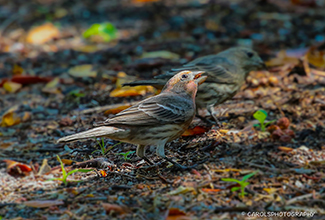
(247, 58)
(185, 82)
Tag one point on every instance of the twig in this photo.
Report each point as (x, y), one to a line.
(299, 198)
(123, 174)
(294, 188)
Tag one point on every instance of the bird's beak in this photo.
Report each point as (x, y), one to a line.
(198, 78)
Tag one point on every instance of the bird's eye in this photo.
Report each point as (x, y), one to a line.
(250, 54)
(184, 76)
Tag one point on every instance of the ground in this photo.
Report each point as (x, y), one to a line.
(54, 82)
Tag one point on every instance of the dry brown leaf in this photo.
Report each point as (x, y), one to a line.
(45, 168)
(42, 34)
(211, 191)
(285, 149)
(114, 208)
(17, 169)
(117, 109)
(43, 203)
(282, 59)
(177, 214)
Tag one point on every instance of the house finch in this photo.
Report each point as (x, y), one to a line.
(226, 73)
(153, 121)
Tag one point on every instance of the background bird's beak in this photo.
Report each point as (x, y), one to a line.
(199, 79)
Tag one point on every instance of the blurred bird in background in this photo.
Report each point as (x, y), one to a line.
(226, 71)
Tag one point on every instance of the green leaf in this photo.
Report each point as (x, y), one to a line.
(260, 115)
(64, 173)
(267, 123)
(105, 30)
(246, 177)
(79, 170)
(231, 180)
(233, 189)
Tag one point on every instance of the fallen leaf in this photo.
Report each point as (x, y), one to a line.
(53, 83)
(17, 169)
(43, 203)
(316, 57)
(281, 59)
(285, 149)
(270, 190)
(10, 118)
(42, 34)
(26, 79)
(11, 87)
(114, 208)
(67, 161)
(227, 170)
(211, 191)
(317, 163)
(103, 32)
(103, 173)
(117, 109)
(194, 131)
(177, 214)
(85, 70)
(128, 91)
(160, 54)
(181, 190)
(17, 70)
(45, 168)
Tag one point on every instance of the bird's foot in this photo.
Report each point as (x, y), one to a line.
(178, 166)
(206, 120)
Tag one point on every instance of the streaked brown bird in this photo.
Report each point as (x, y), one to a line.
(226, 71)
(153, 121)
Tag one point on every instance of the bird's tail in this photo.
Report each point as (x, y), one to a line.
(95, 132)
(157, 83)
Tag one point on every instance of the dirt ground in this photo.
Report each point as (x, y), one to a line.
(54, 82)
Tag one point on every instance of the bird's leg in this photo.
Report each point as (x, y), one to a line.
(161, 153)
(204, 119)
(210, 109)
(141, 153)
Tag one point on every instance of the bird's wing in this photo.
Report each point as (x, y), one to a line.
(153, 111)
(218, 69)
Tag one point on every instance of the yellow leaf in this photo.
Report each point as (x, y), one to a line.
(10, 119)
(53, 83)
(67, 161)
(316, 57)
(270, 190)
(11, 87)
(83, 71)
(42, 34)
(227, 170)
(17, 70)
(181, 190)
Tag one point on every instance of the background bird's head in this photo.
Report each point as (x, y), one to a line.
(245, 57)
(185, 82)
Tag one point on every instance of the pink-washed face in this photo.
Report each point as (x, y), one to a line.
(185, 80)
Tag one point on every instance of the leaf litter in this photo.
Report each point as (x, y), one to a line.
(54, 83)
